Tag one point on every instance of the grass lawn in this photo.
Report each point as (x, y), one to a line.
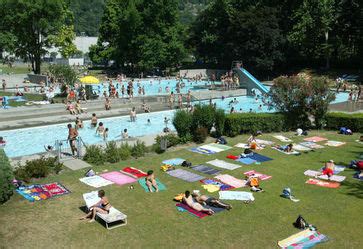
(28, 97)
(154, 221)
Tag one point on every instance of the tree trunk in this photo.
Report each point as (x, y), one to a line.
(37, 61)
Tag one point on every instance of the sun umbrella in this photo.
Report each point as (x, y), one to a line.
(89, 80)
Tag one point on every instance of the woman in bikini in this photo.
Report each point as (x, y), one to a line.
(103, 207)
(150, 181)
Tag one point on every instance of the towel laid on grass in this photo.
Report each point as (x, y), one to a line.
(315, 139)
(40, 192)
(95, 181)
(300, 147)
(209, 147)
(360, 142)
(282, 138)
(245, 160)
(118, 178)
(333, 143)
(220, 146)
(303, 239)
(236, 195)
(260, 158)
(337, 169)
(242, 145)
(231, 180)
(265, 142)
(293, 152)
(224, 165)
(222, 186)
(184, 207)
(314, 173)
(324, 184)
(185, 175)
(206, 169)
(358, 176)
(142, 182)
(202, 151)
(312, 145)
(211, 188)
(174, 161)
(260, 176)
(134, 172)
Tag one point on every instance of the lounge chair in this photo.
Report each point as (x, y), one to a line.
(114, 218)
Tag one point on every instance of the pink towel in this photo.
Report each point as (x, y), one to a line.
(315, 139)
(232, 181)
(262, 177)
(118, 178)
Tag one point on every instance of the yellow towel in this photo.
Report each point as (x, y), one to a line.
(211, 188)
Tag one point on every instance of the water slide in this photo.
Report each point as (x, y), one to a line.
(249, 82)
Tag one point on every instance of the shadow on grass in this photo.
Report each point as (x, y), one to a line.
(85, 210)
(354, 188)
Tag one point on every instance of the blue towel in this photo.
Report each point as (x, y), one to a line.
(202, 151)
(246, 160)
(174, 161)
(260, 158)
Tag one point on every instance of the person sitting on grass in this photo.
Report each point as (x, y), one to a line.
(189, 201)
(103, 207)
(221, 140)
(252, 142)
(328, 169)
(210, 201)
(150, 181)
(254, 183)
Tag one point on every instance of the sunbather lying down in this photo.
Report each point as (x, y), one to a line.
(285, 148)
(210, 201)
(188, 200)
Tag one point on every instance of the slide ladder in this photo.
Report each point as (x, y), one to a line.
(249, 82)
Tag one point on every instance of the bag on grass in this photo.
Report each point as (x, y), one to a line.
(300, 223)
(90, 173)
(186, 164)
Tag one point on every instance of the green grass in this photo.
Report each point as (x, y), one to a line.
(27, 96)
(154, 221)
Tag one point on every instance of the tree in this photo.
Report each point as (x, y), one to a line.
(64, 73)
(301, 97)
(64, 41)
(29, 27)
(6, 178)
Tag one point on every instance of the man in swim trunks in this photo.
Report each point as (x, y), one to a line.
(210, 201)
(188, 200)
(93, 120)
(72, 137)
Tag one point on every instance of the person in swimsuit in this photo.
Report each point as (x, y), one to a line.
(100, 129)
(103, 207)
(2, 141)
(105, 134)
(79, 123)
(188, 200)
(72, 137)
(210, 201)
(150, 181)
(94, 120)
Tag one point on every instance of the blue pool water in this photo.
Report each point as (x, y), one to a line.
(29, 141)
(152, 86)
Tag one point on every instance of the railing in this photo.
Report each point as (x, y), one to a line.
(64, 149)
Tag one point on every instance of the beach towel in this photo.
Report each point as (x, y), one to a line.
(242, 145)
(324, 184)
(312, 145)
(265, 142)
(211, 188)
(220, 146)
(142, 182)
(282, 138)
(314, 173)
(133, 172)
(185, 175)
(246, 160)
(91, 198)
(260, 158)
(222, 186)
(332, 143)
(208, 147)
(231, 180)
(315, 139)
(293, 152)
(303, 239)
(300, 147)
(174, 161)
(118, 178)
(260, 176)
(236, 195)
(206, 169)
(202, 151)
(337, 169)
(224, 165)
(182, 206)
(95, 181)
(40, 192)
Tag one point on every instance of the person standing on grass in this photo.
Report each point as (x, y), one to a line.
(72, 138)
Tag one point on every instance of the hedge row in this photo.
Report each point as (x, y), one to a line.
(240, 123)
(6, 177)
(335, 120)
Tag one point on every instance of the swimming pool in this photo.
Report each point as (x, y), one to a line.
(153, 86)
(30, 141)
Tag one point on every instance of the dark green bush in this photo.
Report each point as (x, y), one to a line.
(172, 139)
(200, 135)
(139, 149)
(239, 123)
(203, 116)
(125, 151)
(352, 121)
(38, 168)
(182, 122)
(6, 177)
(95, 155)
(112, 152)
(219, 121)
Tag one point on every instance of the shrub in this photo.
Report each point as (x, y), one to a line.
(95, 155)
(125, 151)
(139, 149)
(200, 135)
(172, 139)
(112, 152)
(203, 116)
(335, 120)
(186, 139)
(6, 177)
(182, 122)
(220, 118)
(238, 123)
(38, 168)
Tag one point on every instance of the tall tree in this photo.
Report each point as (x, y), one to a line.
(29, 27)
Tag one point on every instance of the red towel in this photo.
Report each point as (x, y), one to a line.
(135, 172)
(232, 157)
(195, 212)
